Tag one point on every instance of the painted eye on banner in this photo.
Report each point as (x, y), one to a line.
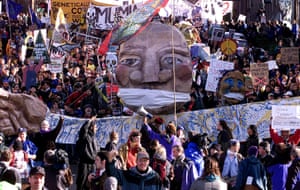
(167, 61)
(131, 62)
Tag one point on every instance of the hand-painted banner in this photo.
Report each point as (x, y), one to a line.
(74, 10)
(100, 17)
(238, 118)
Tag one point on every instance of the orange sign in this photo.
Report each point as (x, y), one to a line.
(229, 47)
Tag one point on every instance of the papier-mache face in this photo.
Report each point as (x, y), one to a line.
(232, 88)
(145, 70)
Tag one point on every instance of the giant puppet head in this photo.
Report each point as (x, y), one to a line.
(145, 71)
(232, 88)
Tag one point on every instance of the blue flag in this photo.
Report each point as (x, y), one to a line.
(13, 9)
(35, 19)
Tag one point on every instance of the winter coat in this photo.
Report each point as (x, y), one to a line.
(278, 174)
(185, 173)
(194, 153)
(209, 183)
(293, 179)
(251, 167)
(133, 179)
(224, 139)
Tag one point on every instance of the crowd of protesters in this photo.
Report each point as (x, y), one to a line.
(74, 93)
(168, 159)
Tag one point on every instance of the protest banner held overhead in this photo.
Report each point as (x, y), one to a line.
(74, 11)
(104, 17)
(215, 72)
(289, 55)
(40, 50)
(285, 117)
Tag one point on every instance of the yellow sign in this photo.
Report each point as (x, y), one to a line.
(228, 47)
(74, 11)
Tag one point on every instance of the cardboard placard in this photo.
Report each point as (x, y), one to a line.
(259, 74)
(289, 55)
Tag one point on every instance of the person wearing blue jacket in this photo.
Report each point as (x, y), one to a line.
(251, 172)
(194, 152)
(141, 176)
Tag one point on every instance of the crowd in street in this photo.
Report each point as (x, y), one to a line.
(74, 91)
(151, 158)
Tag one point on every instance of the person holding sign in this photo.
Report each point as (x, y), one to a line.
(285, 136)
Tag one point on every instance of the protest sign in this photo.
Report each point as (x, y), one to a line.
(56, 65)
(74, 11)
(40, 50)
(217, 34)
(285, 117)
(215, 72)
(103, 17)
(259, 74)
(289, 55)
(272, 64)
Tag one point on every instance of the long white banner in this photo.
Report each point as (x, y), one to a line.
(99, 17)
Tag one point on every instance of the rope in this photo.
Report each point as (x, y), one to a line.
(174, 65)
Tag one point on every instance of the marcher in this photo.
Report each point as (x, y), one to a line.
(293, 178)
(9, 174)
(168, 140)
(129, 150)
(98, 178)
(142, 176)
(185, 172)
(229, 163)
(37, 179)
(278, 170)
(211, 178)
(251, 174)
(224, 135)
(87, 149)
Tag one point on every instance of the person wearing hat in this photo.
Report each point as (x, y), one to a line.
(251, 174)
(141, 176)
(168, 140)
(37, 179)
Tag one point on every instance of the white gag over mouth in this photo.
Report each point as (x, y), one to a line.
(151, 99)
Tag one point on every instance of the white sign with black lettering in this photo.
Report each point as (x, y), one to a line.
(285, 117)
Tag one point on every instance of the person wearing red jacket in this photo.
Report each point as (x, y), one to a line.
(285, 137)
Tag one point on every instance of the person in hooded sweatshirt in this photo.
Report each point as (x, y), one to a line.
(251, 173)
(86, 146)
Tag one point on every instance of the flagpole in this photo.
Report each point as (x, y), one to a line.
(7, 12)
